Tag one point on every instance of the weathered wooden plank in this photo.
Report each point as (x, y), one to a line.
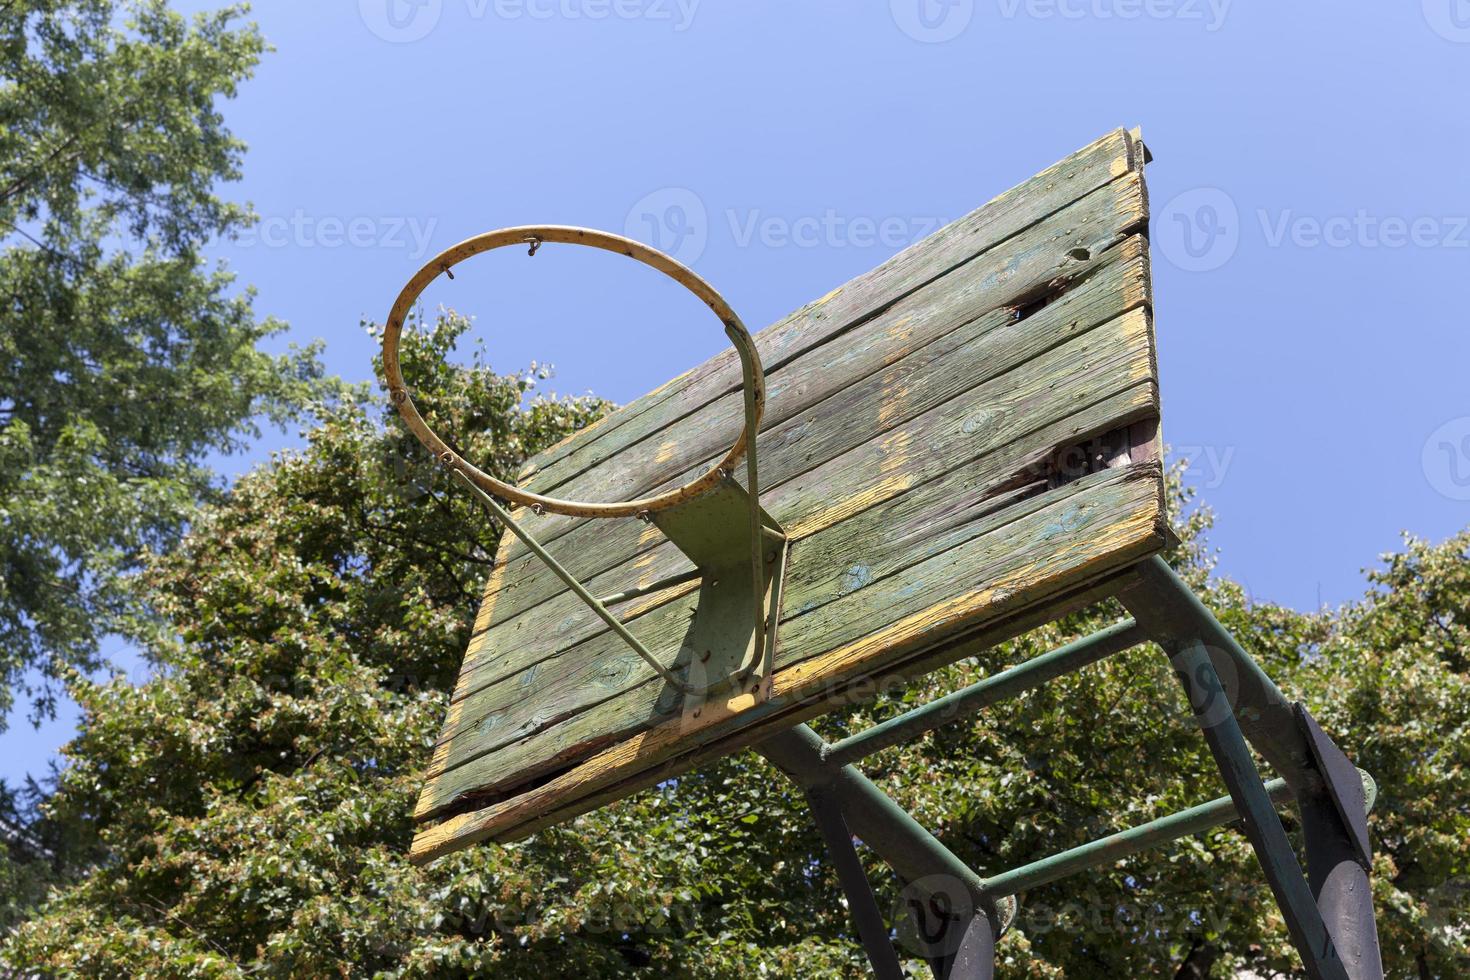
(663, 758)
(1001, 573)
(544, 749)
(547, 747)
(596, 781)
(593, 547)
(851, 556)
(1083, 371)
(1092, 166)
(974, 354)
(1052, 248)
(1113, 283)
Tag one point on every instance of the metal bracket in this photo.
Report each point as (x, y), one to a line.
(732, 642)
(1344, 785)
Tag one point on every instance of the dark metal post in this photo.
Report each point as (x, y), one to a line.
(954, 936)
(975, 959)
(937, 880)
(1175, 618)
(1340, 854)
(1339, 884)
(854, 880)
(1262, 827)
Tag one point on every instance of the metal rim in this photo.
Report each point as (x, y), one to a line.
(534, 236)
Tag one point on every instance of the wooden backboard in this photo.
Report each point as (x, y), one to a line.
(958, 443)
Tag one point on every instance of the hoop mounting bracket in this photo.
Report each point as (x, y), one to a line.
(726, 646)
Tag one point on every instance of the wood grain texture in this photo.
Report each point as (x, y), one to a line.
(978, 352)
(912, 333)
(928, 573)
(1049, 547)
(957, 435)
(999, 278)
(1080, 173)
(910, 448)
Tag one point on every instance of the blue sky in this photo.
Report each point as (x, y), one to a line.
(1309, 196)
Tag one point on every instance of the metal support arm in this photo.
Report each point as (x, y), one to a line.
(1006, 684)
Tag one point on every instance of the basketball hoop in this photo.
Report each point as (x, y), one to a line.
(718, 524)
(535, 236)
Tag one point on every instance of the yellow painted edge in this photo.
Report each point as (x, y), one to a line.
(1139, 531)
(1136, 329)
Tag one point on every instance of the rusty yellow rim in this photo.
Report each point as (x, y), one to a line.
(532, 237)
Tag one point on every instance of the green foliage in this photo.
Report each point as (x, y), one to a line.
(248, 810)
(124, 359)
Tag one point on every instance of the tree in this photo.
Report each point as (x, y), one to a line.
(248, 810)
(124, 357)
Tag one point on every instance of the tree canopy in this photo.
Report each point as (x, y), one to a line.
(248, 810)
(125, 358)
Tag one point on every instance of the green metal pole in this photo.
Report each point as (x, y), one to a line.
(1128, 842)
(652, 587)
(883, 825)
(1259, 820)
(1175, 618)
(1008, 683)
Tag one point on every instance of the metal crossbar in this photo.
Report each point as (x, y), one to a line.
(1330, 917)
(1126, 843)
(1008, 683)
